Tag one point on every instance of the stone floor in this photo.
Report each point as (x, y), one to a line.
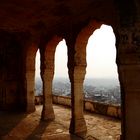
(18, 126)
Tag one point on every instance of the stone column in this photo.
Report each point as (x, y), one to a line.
(78, 124)
(128, 60)
(47, 112)
(30, 77)
(76, 75)
(30, 85)
(47, 73)
(77, 42)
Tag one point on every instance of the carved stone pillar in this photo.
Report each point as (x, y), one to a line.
(78, 124)
(47, 112)
(30, 77)
(76, 75)
(47, 73)
(30, 84)
(77, 42)
(128, 60)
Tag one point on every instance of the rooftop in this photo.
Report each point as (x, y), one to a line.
(28, 126)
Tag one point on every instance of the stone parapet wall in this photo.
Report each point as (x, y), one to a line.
(95, 107)
(62, 100)
(102, 108)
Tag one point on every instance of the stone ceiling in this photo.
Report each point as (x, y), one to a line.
(49, 15)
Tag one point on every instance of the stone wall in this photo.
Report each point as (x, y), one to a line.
(95, 107)
(10, 70)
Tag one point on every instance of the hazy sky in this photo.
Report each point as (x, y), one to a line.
(101, 56)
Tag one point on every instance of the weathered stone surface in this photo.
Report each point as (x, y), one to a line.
(29, 126)
(44, 24)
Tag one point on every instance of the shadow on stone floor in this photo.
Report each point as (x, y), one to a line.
(8, 121)
(21, 126)
(39, 130)
(14, 126)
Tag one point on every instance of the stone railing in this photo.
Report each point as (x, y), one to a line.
(96, 107)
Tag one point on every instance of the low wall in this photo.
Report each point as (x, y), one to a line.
(96, 107)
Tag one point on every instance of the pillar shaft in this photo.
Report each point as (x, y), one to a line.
(30, 56)
(47, 73)
(47, 112)
(78, 124)
(129, 75)
(30, 107)
(130, 79)
(76, 75)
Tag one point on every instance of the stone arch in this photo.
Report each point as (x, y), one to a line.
(82, 40)
(128, 64)
(78, 75)
(77, 70)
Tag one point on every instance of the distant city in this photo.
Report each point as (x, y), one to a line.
(99, 90)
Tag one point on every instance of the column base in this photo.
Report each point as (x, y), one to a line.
(47, 115)
(78, 127)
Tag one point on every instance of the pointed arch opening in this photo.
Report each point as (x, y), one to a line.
(61, 84)
(101, 81)
(92, 106)
(38, 80)
(101, 85)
